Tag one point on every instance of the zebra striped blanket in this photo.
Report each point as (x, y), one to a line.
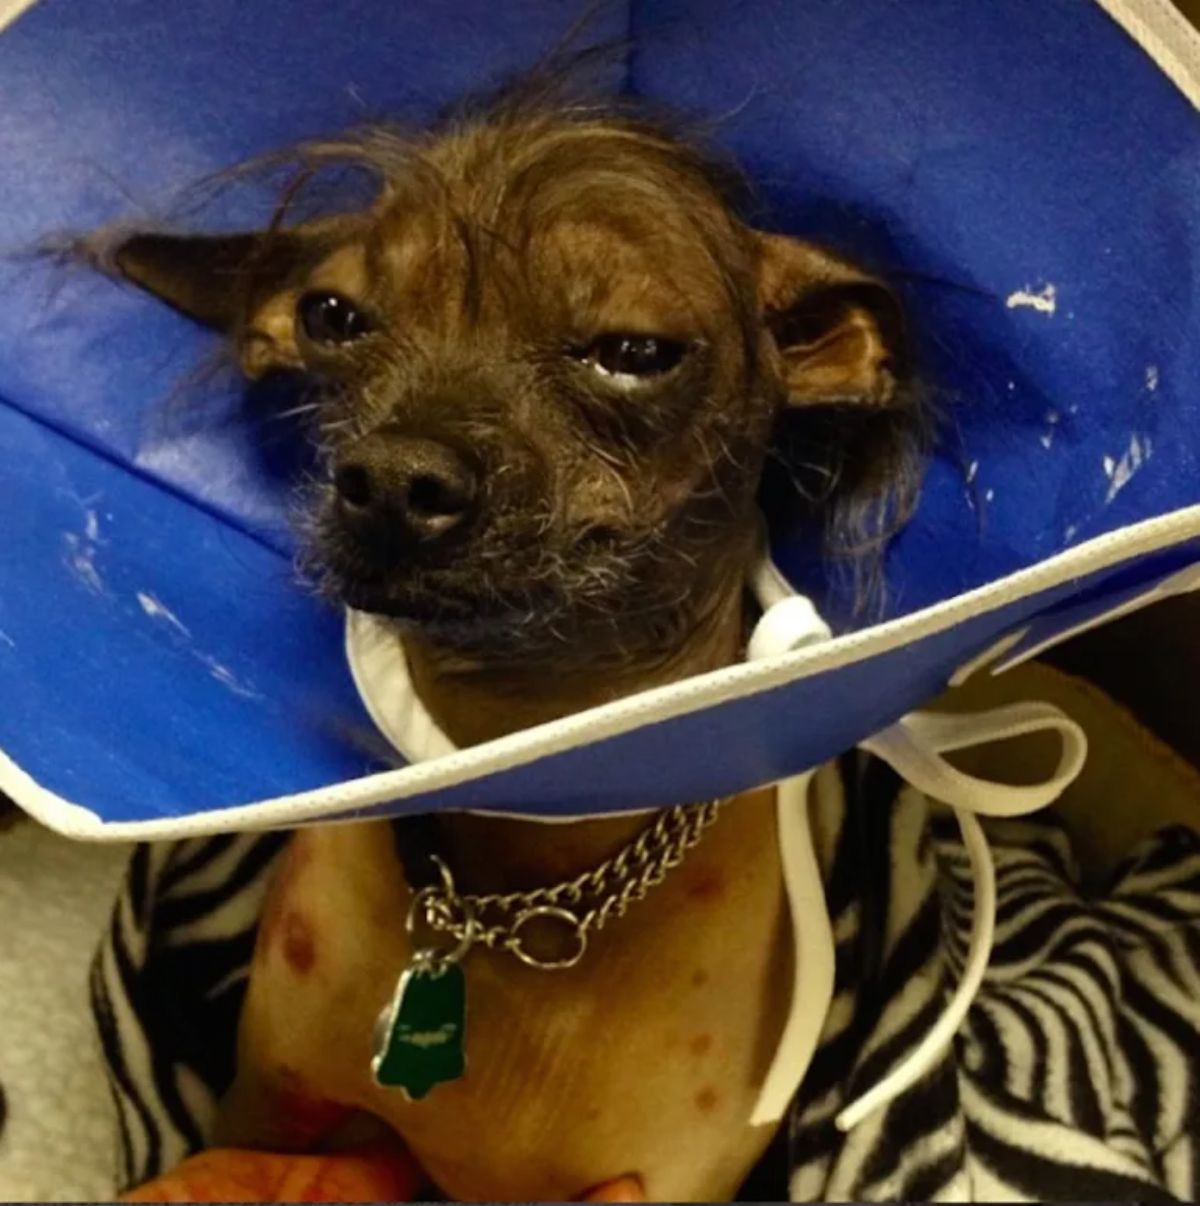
(1076, 1075)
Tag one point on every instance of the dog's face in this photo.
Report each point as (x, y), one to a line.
(547, 361)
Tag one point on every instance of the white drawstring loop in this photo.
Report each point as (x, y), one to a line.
(913, 747)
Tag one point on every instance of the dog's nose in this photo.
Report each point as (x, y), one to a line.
(397, 489)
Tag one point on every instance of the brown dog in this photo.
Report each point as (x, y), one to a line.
(549, 363)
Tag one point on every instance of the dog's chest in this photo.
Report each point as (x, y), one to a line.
(647, 1056)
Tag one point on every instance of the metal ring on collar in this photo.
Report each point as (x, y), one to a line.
(430, 956)
(554, 913)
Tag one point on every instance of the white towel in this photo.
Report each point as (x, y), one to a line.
(59, 1139)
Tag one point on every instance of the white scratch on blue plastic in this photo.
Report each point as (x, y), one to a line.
(1152, 377)
(1044, 301)
(1120, 473)
(84, 503)
(156, 609)
(80, 547)
(80, 558)
(7, 639)
(1047, 437)
(226, 678)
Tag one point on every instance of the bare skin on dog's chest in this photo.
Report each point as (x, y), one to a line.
(646, 1057)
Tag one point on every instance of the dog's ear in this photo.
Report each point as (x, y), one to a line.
(237, 284)
(839, 331)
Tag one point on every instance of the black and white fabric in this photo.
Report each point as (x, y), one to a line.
(1075, 1075)
(167, 986)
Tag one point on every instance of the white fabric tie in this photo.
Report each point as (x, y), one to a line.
(913, 747)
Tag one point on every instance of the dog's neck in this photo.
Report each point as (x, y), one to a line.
(475, 704)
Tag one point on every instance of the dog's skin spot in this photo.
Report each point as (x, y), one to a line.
(303, 1115)
(699, 978)
(701, 1044)
(295, 859)
(707, 885)
(299, 949)
(707, 1100)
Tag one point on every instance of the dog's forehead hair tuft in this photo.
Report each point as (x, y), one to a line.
(633, 217)
(503, 153)
(609, 198)
(522, 160)
(499, 145)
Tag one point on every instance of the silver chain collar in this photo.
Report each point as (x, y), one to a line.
(582, 906)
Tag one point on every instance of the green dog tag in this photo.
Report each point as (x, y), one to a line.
(420, 1035)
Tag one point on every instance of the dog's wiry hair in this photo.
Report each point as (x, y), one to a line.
(855, 476)
(496, 174)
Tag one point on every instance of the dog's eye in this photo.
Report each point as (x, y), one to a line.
(331, 318)
(633, 356)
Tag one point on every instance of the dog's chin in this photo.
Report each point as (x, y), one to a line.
(604, 604)
(492, 623)
(407, 606)
(473, 618)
